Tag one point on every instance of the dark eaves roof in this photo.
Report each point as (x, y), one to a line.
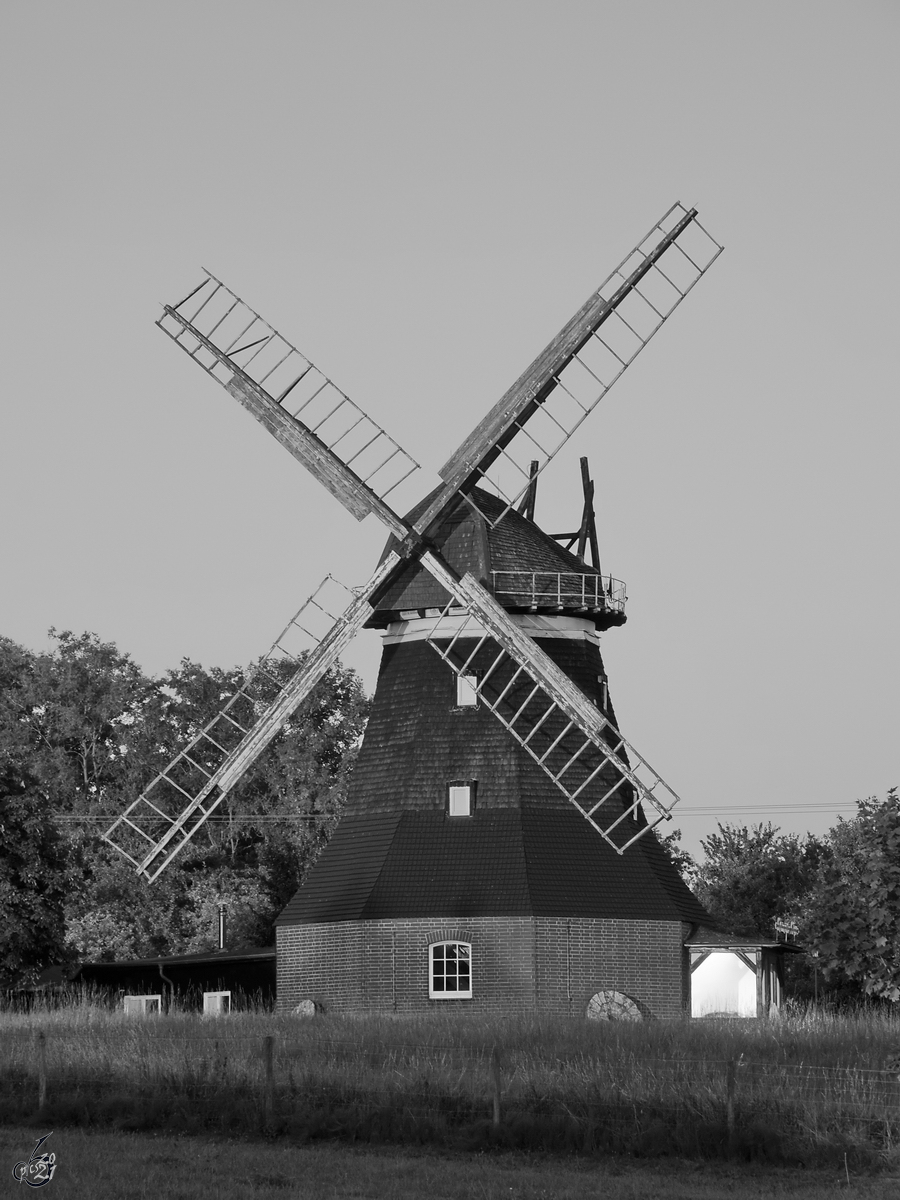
(511, 862)
(241, 954)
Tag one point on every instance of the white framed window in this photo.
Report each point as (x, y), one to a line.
(142, 1006)
(460, 799)
(216, 1004)
(450, 971)
(466, 694)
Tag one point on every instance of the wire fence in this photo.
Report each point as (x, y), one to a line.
(400, 1092)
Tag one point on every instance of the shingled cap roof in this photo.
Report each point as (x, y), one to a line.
(515, 547)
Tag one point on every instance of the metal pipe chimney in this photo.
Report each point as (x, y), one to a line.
(222, 926)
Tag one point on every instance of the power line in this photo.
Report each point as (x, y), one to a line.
(216, 818)
(760, 808)
(679, 810)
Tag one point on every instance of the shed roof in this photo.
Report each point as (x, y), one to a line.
(705, 937)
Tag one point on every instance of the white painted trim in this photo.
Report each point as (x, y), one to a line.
(534, 624)
(142, 1005)
(216, 1004)
(462, 993)
(459, 801)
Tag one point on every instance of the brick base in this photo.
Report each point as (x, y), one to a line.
(519, 964)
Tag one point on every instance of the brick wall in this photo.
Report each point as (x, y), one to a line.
(576, 958)
(519, 964)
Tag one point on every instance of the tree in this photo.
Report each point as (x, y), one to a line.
(85, 705)
(252, 853)
(116, 915)
(251, 911)
(32, 860)
(751, 876)
(853, 916)
(680, 859)
(82, 733)
(280, 815)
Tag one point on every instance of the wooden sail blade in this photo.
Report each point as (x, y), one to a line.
(170, 811)
(352, 456)
(575, 371)
(601, 774)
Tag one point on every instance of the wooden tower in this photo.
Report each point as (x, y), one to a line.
(495, 848)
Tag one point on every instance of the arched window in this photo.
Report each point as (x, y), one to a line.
(450, 971)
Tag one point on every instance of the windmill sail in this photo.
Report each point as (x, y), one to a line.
(319, 424)
(171, 810)
(570, 377)
(547, 714)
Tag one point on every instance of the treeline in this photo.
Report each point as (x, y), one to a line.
(82, 731)
(840, 892)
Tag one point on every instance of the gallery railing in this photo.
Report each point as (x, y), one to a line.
(561, 591)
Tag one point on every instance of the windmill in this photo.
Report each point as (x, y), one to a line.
(467, 584)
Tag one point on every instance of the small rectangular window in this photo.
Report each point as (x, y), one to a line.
(460, 799)
(466, 694)
(142, 1006)
(450, 971)
(216, 1004)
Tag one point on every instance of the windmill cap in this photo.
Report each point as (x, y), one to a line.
(524, 568)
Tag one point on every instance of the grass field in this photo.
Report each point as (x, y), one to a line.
(121, 1166)
(808, 1089)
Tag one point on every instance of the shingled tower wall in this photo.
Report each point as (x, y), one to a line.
(551, 913)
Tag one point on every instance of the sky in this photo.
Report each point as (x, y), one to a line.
(419, 195)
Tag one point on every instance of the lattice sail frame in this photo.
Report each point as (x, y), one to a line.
(357, 481)
(555, 395)
(600, 773)
(171, 810)
(219, 334)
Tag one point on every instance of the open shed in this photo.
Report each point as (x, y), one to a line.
(735, 976)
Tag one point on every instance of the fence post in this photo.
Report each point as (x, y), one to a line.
(269, 1084)
(730, 1086)
(495, 1083)
(42, 1068)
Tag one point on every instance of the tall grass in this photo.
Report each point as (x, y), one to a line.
(807, 1085)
